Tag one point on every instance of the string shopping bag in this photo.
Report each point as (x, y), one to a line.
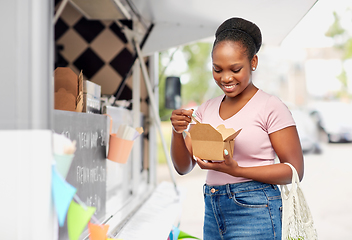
(297, 220)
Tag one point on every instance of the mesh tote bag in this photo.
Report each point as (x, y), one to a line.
(297, 220)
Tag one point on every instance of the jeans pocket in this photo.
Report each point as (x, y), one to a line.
(251, 199)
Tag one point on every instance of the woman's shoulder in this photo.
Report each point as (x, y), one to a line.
(268, 99)
(275, 113)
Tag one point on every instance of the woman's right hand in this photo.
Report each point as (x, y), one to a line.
(180, 118)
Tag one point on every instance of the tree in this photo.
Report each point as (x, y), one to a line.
(198, 57)
(343, 41)
(198, 70)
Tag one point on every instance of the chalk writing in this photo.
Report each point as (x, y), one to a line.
(91, 175)
(94, 201)
(89, 140)
(94, 140)
(102, 136)
(66, 134)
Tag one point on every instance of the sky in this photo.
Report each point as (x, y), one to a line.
(312, 27)
(321, 75)
(309, 33)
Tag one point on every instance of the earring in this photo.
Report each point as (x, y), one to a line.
(253, 69)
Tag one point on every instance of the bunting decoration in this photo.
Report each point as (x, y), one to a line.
(176, 234)
(77, 219)
(97, 232)
(184, 235)
(62, 195)
(63, 163)
(78, 215)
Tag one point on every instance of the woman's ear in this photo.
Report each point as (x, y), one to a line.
(254, 62)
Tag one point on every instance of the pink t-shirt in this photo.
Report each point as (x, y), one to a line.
(262, 115)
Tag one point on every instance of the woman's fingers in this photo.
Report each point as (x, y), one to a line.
(226, 166)
(180, 118)
(204, 164)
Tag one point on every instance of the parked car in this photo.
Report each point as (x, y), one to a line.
(307, 130)
(335, 119)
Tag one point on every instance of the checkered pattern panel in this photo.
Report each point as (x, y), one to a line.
(98, 48)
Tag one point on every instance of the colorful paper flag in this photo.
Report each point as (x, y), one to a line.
(97, 232)
(63, 163)
(176, 234)
(184, 235)
(77, 219)
(62, 195)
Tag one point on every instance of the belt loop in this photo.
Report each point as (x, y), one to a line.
(228, 190)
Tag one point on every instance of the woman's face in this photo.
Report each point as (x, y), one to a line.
(231, 68)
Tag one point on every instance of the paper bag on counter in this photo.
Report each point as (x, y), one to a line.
(68, 90)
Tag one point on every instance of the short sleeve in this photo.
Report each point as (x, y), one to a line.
(278, 115)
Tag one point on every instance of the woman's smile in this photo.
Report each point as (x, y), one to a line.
(229, 87)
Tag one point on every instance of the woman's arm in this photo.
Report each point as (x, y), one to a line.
(287, 147)
(181, 150)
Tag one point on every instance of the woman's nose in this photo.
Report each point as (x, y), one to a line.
(227, 78)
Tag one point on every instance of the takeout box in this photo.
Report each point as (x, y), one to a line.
(209, 143)
(68, 90)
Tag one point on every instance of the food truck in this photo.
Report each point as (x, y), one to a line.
(110, 50)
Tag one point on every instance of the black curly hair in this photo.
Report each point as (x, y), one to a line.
(242, 31)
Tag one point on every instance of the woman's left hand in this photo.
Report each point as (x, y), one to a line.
(228, 166)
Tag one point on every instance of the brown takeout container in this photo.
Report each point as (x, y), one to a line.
(209, 143)
(68, 90)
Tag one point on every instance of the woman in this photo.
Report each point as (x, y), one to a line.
(242, 200)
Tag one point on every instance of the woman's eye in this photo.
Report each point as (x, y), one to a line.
(237, 70)
(216, 70)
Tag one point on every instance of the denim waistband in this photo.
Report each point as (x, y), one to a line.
(235, 188)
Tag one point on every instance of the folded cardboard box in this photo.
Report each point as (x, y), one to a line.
(209, 143)
(68, 90)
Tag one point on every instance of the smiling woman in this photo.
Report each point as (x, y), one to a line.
(242, 187)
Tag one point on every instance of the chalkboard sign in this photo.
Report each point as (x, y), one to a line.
(88, 169)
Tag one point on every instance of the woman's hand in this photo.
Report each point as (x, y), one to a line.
(228, 166)
(181, 148)
(180, 118)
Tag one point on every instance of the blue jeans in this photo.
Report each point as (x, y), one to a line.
(248, 210)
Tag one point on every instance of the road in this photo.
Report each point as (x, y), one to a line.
(327, 186)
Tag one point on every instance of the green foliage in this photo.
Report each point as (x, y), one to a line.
(344, 82)
(348, 49)
(335, 29)
(343, 41)
(341, 37)
(164, 113)
(197, 56)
